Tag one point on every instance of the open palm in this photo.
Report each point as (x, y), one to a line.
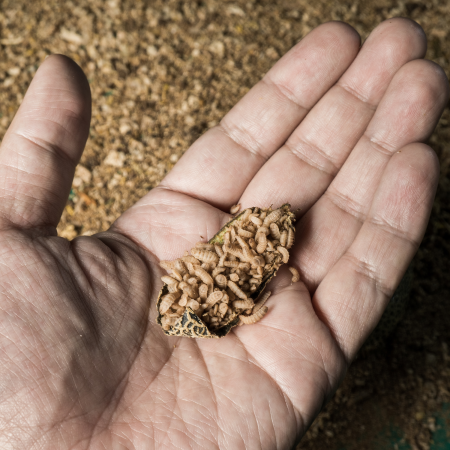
(334, 130)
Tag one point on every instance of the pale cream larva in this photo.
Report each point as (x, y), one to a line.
(295, 274)
(273, 217)
(261, 301)
(221, 281)
(290, 238)
(249, 320)
(236, 290)
(168, 300)
(284, 253)
(243, 304)
(235, 208)
(205, 255)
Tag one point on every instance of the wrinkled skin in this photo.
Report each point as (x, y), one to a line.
(333, 129)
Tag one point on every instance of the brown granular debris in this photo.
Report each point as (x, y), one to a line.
(213, 289)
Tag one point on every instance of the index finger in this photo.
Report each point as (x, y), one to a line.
(219, 166)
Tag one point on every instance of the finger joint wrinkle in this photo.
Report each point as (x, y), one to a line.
(369, 272)
(254, 149)
(332, 171)
(285, 93)
(394, 231)
(346, 204)
(47, 146)
(358, 96)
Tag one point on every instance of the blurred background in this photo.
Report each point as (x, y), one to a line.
(164, 71)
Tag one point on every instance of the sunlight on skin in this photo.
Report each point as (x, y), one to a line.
(334, 130)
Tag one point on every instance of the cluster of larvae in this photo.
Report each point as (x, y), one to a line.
(217, 280)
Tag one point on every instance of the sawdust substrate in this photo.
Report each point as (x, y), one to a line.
(161, 74)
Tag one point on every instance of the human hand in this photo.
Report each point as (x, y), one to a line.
(83, 363)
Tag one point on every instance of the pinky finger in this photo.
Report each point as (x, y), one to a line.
(355, 293)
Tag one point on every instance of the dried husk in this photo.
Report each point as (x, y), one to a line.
(189, 324)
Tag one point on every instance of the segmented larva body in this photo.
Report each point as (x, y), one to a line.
(236, 290)
(274, 231)
(290, 238)
(232, 250)
(191, 268)
(217, 271)
(168, 322)
(243, 304)
(256, 317)
(241, 242)
(168, 280)
(259, 260)
(261, 301)
(295, 274)
(234, 277)
(232, 264)
(262, 242)
(179, 265)
(167, 265)
(235, 208)
(245, 233)
(167, 301)
(274, 216)
(284, 253)
(223, 308)
(190, 259)
(222, 260)
(221, 281)
(203, 291)
(193, 304)
(190, 290)
(245, 266)
(283, 238)
(215, 297)
(184, 299)
(218, 250)
(172, 288)
(204, 246)
(226, 238)
(256, 220)
(245, 215)
(233, 234)
(177, 275)
(203, 275)
(205, 255)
